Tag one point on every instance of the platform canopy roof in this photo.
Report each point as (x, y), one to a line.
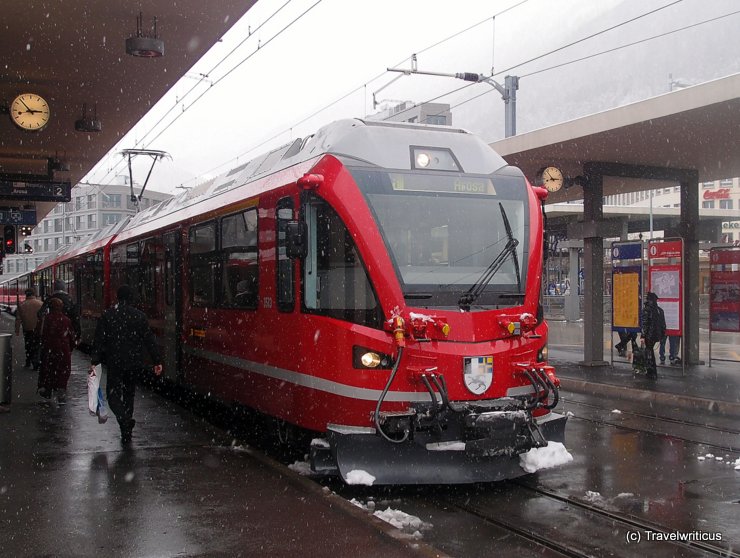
(74, 53)
(693, 128)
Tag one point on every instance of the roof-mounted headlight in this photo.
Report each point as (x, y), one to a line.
(433, 158)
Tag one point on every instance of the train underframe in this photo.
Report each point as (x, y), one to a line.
(449, 442)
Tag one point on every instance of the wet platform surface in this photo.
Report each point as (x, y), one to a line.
(714, 389)
(68, 487)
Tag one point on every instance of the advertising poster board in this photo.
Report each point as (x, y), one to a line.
(626, 298)
(626, 286)
(724, 294)
(665, 280)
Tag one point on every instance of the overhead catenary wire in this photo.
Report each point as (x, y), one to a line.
(364, 85)
(453, 91)
(492, 18)
(594, 55)
(217, 81)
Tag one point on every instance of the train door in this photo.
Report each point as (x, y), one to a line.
(172, 307)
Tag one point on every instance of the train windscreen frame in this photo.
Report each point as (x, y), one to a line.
(443, 230)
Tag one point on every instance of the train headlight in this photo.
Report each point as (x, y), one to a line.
(542, 354)
(370, 360)
(434, 158)
(423, 160)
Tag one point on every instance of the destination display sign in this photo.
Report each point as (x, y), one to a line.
(36, 191)
(449, 184)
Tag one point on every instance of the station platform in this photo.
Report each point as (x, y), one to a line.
(185, 488)
(182, 488)
(701, 388)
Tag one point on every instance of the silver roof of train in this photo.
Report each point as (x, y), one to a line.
(387, 144)
(382, 144)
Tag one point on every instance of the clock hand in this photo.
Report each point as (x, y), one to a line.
(29, 109)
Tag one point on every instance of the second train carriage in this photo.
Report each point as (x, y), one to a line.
(375, 282)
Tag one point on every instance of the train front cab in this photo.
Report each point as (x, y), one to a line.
(415, 275)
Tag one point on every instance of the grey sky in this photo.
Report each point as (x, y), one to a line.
(339, 46)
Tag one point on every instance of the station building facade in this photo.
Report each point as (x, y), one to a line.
(719, 194)
(92, 207)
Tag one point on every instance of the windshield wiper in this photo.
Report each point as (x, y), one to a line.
(472, 294)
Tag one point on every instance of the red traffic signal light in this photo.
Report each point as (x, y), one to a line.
(9, 239)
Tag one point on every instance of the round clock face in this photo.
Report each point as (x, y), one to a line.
(29, 111)
(552, 179)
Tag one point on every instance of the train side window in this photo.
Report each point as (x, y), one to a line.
(240, 277)
(169, 277)
(203, 264)
(285, 269)
(147, 286)
(131, 269)
(335, 282)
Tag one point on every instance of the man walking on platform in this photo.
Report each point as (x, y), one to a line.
(121, 338)
(653, 330)
(26, 318)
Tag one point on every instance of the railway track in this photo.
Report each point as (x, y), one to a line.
(732, 433)
(582, 529)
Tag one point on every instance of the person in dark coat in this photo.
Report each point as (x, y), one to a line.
(653, 330)
(122, 337)
(57, 342)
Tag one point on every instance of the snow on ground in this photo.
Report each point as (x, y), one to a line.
(616, 411)
(446, 446)
(721, 460)
(301, 467)
(409, 524)
(594, 497)
(552, 455)
(358, 476)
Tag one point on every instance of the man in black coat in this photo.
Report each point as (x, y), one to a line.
(121, 338)
(653, 330)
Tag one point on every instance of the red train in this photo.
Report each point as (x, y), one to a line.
(377, 283)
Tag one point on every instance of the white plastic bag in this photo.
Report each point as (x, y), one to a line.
(96, 402)
(102, 402)
(93, 386)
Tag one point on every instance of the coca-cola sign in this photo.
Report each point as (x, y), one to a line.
(721, 194)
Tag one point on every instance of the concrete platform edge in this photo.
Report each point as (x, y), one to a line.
(725, 408)
(419, 547)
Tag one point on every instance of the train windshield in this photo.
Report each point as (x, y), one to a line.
(444, 231)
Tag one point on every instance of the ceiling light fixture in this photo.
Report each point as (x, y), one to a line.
(58, 165)
(142, 46)
(86, 124)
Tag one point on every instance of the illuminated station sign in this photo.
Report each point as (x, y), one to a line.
(36, 191)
